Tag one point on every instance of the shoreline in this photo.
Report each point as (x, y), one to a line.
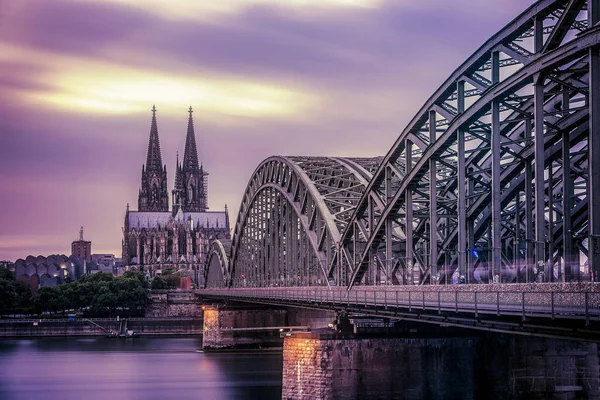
(83, 327)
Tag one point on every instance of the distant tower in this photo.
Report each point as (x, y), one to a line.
(153, 195)
(82, 248)
(192, 185)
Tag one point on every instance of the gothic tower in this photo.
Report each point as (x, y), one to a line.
(191, 180)
(153, 194)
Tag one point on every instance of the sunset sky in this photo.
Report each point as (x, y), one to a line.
(78, 79)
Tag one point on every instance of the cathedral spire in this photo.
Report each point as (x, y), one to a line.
(154, 158)
(153, 194)
(190, 155)
(192, 187)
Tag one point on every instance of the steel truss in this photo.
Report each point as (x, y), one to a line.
(217, 264)
(291, 218)
(496, 177)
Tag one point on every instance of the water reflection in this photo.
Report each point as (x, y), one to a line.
(141, 368)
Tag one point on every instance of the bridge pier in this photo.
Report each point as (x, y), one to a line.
(493, 366)
(242, 327)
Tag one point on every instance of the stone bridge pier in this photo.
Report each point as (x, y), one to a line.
(490, 366)
(252, 326)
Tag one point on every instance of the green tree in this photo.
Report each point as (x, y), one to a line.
(24, 297)
(158, 283)
(139, 275)
(8, 297)
(7, 274)
(45, 299)
(99, 277)
(172, 281)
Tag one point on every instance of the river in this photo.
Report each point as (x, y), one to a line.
(149, 368)
(139, 368)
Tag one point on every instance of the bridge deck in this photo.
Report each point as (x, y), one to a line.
(553, 304)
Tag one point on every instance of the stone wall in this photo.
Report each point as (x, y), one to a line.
(24, 328)
(143, 326)
(490, 367)
(173, 303)
(312, 318)
(229, 328)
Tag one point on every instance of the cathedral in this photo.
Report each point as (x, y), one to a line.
(154, 237)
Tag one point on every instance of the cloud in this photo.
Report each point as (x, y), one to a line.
(207, 10)
(318, 77)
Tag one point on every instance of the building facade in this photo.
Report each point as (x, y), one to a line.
(48, 271)
(156, 238)
(82, 248)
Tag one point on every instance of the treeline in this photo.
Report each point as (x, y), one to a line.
(97, 295)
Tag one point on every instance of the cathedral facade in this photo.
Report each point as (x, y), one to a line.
(154, 237)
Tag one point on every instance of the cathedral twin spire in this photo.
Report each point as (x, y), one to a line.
(189, 191)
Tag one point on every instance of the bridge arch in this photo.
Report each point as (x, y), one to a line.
(291, 218)
(491, 178)
(217, 264)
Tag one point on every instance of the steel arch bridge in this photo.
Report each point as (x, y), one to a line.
(496, 178)
(291, 218)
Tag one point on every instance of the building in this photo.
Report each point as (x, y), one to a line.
(104, 258)
(154, 237)
(9, 265)
(82, 248)
(48, 271)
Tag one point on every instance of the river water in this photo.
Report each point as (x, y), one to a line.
(139, 368)
(174, 368)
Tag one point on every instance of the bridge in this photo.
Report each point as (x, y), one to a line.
(487, 204)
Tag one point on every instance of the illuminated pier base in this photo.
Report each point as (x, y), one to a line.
(237, 327)
(325, 366)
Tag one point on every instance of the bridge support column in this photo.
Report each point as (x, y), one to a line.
(235, 327)
(330, 366)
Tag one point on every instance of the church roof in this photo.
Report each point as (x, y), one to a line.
(149, 220)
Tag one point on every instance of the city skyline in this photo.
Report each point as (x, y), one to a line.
(79, 80)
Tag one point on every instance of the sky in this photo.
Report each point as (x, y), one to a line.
(78, 79)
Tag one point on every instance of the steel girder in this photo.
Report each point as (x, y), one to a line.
(217, 264)
(493, 179)
(291, 218)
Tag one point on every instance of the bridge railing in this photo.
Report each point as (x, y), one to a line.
(572, 304)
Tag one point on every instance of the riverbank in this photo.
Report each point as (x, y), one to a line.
(100, 327)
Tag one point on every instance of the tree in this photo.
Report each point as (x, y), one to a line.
(24, 297)
(139, 275)
(6, 274)
(158, 283)
(99, 277)
(173, 281)
(8, 297)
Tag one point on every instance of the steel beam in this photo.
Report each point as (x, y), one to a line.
(569, 268)
(433, 242)
(529, 236)
(540, 202)
(496, 228)
(594, 149)
(409, 219)
(389, 253)
(461, 189)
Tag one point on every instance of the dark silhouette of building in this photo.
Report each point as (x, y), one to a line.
(82, 248)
